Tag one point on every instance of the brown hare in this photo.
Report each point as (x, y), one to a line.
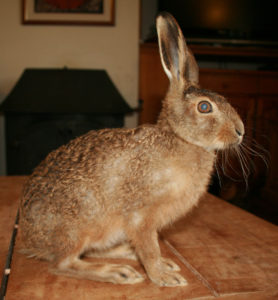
(109, 192)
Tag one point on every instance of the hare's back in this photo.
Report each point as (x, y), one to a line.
(85, 154)
(90, 169)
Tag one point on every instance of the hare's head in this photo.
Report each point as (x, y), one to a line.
(198, 116)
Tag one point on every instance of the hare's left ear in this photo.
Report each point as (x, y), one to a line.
(177, 60)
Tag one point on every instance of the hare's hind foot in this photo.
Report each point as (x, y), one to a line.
(104, 272)
(126, 252)
(119, 251)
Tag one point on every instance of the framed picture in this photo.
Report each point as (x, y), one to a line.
(68, 12)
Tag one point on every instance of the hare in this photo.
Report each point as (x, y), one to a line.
(109, 192)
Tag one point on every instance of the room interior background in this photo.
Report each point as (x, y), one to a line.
(113, 48)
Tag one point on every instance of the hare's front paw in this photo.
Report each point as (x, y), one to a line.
(169, 265)
(166, 278)
(124, 274)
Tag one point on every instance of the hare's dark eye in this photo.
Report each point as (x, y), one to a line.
(204, 107)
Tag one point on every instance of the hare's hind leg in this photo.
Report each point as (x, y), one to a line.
(119, 251)
(104, 272)
(126, 252)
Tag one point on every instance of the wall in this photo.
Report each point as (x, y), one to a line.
(95, 47)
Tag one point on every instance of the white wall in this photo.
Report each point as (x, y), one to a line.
(94, 47)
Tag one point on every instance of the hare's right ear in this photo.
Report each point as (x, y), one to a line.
(177, 60)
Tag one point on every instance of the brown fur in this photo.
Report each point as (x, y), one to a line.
(108, 192)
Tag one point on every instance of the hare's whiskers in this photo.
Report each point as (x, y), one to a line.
(262, 153)
(244, 165)
(216, 168)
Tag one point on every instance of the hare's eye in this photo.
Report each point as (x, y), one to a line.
(204, 107)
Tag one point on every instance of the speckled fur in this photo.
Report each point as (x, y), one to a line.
(117, 186)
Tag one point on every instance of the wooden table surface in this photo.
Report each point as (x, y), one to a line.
(223, 251)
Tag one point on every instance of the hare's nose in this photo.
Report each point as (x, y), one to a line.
(239, 129)
(239, 133)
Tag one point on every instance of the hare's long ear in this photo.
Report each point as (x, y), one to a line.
(177, 60)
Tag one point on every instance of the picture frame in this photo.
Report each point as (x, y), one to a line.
(74, 12)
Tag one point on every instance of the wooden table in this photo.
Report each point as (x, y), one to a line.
(224, 252)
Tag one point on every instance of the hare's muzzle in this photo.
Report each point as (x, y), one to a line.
(239, 128)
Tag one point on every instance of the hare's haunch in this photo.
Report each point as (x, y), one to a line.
(108, 192)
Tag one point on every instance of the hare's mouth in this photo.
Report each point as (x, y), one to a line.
(240, 139)
(234, 143)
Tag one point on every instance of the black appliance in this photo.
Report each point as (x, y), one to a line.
(49, 107)
(237, 22)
